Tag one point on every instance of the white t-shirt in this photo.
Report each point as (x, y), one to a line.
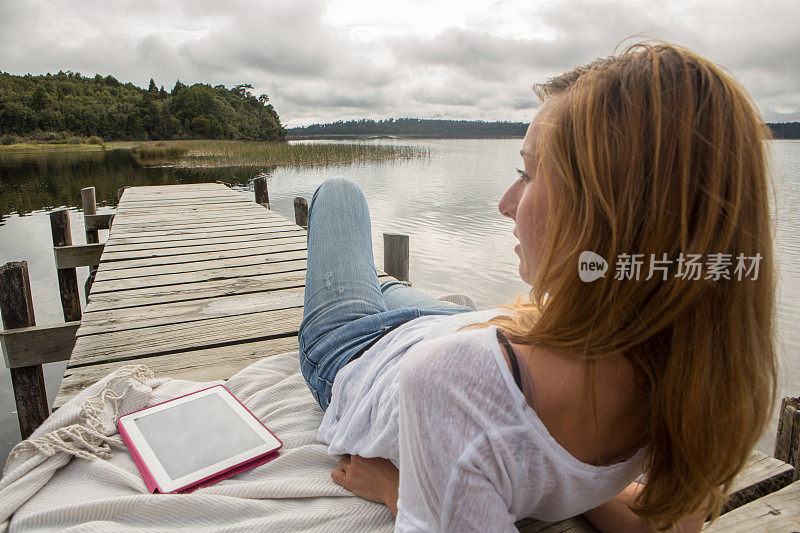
(472, 454)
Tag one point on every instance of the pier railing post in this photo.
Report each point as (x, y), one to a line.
(67, 277)
(89, 208)
(16, 307)
(395, 255)
(92, 235)
(262, 194)
(301, 212)
(787, 441)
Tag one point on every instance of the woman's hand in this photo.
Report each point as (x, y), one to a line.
(375, 479)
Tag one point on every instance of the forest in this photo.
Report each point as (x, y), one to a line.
(413, 127)
(469, 129)
(44, 106)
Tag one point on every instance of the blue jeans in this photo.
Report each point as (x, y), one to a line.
(345, 309)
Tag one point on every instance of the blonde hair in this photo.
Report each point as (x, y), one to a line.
(656, 150)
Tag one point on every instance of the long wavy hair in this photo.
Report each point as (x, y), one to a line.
(658, 151)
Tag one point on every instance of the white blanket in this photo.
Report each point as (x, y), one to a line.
(75, 474)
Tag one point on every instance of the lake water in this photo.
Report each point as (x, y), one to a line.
(446, 203)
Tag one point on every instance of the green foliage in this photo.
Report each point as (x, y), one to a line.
(785, 130)
(37, 106)
(7, 139)
(414, 127)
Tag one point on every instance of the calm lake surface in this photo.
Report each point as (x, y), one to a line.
(447, 203)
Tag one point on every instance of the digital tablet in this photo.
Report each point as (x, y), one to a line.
(195, 440)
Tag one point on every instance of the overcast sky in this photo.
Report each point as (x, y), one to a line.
(326, 60)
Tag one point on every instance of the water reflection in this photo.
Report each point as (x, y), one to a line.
(39, 180)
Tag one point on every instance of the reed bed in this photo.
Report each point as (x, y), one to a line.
(208, 153)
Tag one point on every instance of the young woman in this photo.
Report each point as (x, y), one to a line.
(551, 407)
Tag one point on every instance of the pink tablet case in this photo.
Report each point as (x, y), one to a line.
(150, 481)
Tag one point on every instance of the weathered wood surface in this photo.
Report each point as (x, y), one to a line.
(77, 255)
(196, 283)
(761, 475)
(16, 308)
(97, 222)
(576, 524)
(89, 209)
(787, 443)
(197, 365)
(779, 511)
(36, 345)
(67, 277)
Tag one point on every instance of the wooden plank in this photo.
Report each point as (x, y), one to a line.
(179, 251)
(179, 187)
(200, 365)
(182, 200)
(174, 209)
(169, 277)
(196, 219)
(760, 476)
(195, 291)
(78, 255)
(779, 511)
(132, 344)
(577, 524)
(202, 270)
(36, 345)
(208, 206)
(104, 321)
(138, 318)
(205, 256)
(128, 246)
(97, 222)
(180, 238)
(162, 230)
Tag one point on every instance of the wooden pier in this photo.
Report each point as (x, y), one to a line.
(197, 282)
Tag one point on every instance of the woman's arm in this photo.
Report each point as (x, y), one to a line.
(615, 515)
(375, 479)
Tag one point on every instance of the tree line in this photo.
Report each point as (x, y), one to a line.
(413, 127)
(785, 130)
(454, 128)
(31, 106)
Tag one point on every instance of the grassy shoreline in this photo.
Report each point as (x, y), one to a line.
(218, 153)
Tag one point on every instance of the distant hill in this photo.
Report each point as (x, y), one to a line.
(103, 106)
(411, 127)
(455, 129)
(785, 130)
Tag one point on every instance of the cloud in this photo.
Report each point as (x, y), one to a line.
(323, 60)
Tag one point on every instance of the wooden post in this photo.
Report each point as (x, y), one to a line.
(89, 208)
(787, 441)
(395, 255)
(16, 306)
(92, 235)
(67, 277)
(301, 212)
(262, 194)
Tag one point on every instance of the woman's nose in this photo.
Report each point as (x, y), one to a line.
(508, 204)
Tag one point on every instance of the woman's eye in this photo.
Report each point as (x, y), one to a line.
(523, 175)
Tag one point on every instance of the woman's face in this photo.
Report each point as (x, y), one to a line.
(525, 202)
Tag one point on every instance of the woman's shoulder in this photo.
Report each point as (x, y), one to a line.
(462, 367)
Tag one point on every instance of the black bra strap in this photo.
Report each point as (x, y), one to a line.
(512, 357)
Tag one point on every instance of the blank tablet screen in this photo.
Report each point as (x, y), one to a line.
(182, 445)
